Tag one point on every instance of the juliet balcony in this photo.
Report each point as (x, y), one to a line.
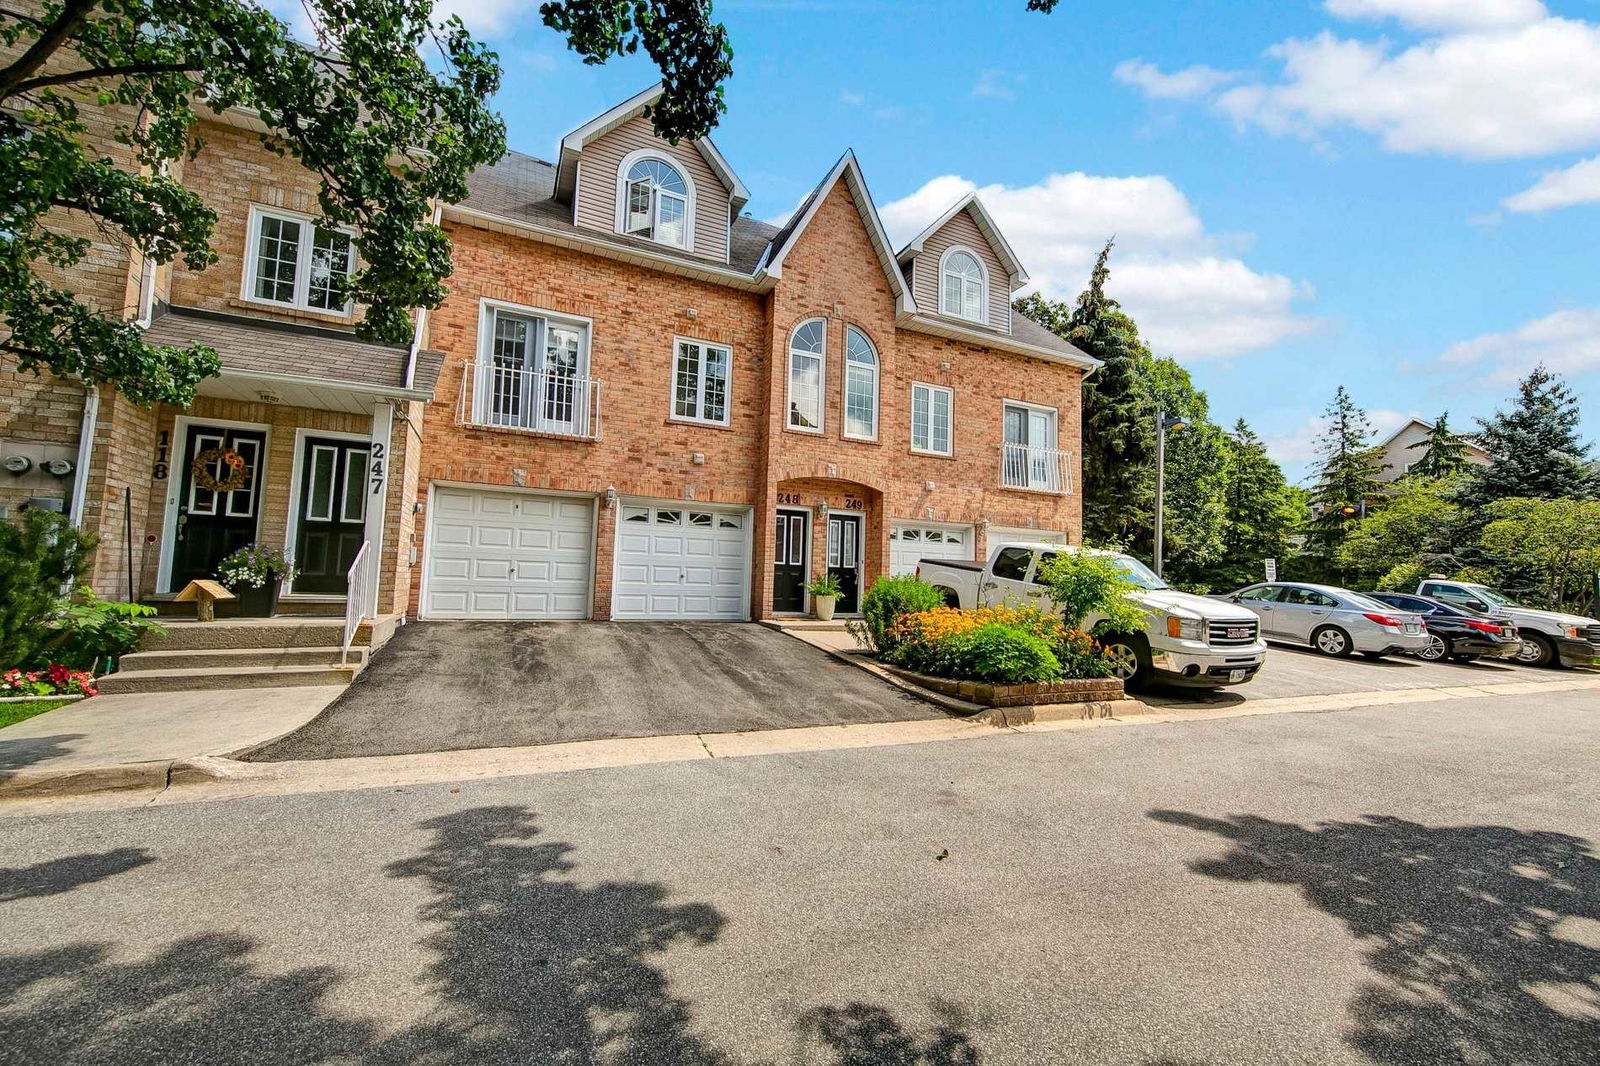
(1036, 469)
(553, 403)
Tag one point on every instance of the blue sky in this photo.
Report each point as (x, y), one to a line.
(1394, 195)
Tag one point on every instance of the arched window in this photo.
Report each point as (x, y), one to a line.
(860, 386)
(963, 287)
(808, 348)
(655, 202)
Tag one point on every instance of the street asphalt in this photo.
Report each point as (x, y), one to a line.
(1412, 884)
(447, 686)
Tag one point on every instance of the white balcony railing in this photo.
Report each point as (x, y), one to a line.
(540, 402)
(1026, 466)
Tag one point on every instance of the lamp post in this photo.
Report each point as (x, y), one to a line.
(1164, 422)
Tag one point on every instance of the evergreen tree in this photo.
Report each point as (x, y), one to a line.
(1347, 474)
(1534, 448)
(1260, 510)
(1196, 481)
(1118, 442)
(1444, 454)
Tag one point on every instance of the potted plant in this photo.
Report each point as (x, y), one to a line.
(255, 573)
(824, 592)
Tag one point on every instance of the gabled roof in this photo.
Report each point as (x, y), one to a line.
(1470, 440)
(986, 225)
(849, 171)
(572, 145)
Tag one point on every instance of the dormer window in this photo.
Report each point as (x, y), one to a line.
(963, 286)
(655, 200)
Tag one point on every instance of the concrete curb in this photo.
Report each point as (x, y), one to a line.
(83, 780)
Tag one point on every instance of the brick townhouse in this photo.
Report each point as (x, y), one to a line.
(637, 402)
(655, 407)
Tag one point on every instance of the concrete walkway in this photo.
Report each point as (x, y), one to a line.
(150, 731)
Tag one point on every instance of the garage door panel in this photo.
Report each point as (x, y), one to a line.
(508, 555)
(491, 570)
(909, 543)
(680, 562)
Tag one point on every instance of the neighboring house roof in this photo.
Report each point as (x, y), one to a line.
(1425, 424)
(288, 350)
(572, 146)
(986, 225)
(849, 171)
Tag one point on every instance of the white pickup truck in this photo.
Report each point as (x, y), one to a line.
(1549, 638)
(1187, 640)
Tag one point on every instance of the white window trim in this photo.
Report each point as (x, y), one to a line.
(983, 285)
(621, 220)
(485, 356)
(302, 267)
(912, 422)
(727, 395)
(844, 387)
(822, 381)
(1055, 421)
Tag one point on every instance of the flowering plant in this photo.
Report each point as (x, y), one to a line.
(53, 680)
(945, 642)
(253, 566)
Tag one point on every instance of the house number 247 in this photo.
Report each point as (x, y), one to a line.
(379, 470)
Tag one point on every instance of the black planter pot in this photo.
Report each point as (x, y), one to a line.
(259, 602)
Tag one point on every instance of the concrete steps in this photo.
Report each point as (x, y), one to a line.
(247, 653)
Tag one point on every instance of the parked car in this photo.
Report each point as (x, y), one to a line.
(1456, 633)
(1331, 620)
(1187, 640)
(1549, 638)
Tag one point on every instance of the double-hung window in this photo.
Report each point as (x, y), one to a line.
(296, 262)
(700, 381)
(931, 407)
(808, 348)
(860, 386)
(532, 372)
(655, 203)
(963, 288)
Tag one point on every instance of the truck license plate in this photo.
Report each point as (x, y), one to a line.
(1236, 676)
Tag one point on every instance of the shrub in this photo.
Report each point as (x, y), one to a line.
(1403, 577)
(943, 642)
(885, 603)
(88, 633)
(1006, 654)
(1084, 583)
(39, 556)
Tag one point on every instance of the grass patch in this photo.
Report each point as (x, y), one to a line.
(12, 713)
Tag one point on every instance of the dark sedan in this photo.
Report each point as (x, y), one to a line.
(1457, 634)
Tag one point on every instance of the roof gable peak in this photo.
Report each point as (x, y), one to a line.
(973, 205)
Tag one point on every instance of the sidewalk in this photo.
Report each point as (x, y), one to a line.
(131, 741)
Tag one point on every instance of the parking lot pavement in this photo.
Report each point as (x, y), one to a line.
(1293, 671)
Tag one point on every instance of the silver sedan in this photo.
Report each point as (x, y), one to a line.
(1330, 620)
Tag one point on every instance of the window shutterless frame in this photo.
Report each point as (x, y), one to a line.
(971, 280)
(860, 386)
(808, 351)
(538, 393)
(929, 396)
(686, 199)
(702, 378)
(305, 245)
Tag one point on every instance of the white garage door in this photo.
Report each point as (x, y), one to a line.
(508, 555)
(1028, 536)
(909, 543)
(681, 561)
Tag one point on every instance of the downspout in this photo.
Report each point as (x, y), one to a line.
(86, 431)
(422, 321)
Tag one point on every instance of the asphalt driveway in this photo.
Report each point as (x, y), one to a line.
(444, 686)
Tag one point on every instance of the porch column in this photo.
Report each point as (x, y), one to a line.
(377, 496)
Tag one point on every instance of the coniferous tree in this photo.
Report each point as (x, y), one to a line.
(1534, 450)
(1117, 444)
(1444, 452)
(1347, 473)
(1260, 508)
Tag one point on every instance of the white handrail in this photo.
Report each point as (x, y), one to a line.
(358, 585)
(1026, 466)
(537, 401)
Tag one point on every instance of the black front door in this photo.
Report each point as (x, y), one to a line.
(215, 521)
(793, 537)
(333, 513)
(844, 560)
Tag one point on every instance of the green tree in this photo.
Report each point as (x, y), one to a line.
(1414, 526)
(1556, 542)
(1260, 511)
(387, 110)
(1118, 443)
(1196, 512)
(1534, 449)
(1444, 452)
(39, 556)
(1347, 471)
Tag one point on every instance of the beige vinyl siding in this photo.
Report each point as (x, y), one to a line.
(925, 269)
(596, 196)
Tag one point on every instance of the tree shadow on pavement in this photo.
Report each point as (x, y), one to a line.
(22, 752)
(64, 875)
(860, 1034)
(1485, 940)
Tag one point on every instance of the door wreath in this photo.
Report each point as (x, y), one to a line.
(231, 461)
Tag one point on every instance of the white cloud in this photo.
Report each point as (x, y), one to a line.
(1567, 342)
(1198, 80)
(997, 85)
(1189, 300)
(1577, 184)
(1442, 14)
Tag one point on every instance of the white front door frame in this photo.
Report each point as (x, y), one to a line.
(292, 530)
(175, 478)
